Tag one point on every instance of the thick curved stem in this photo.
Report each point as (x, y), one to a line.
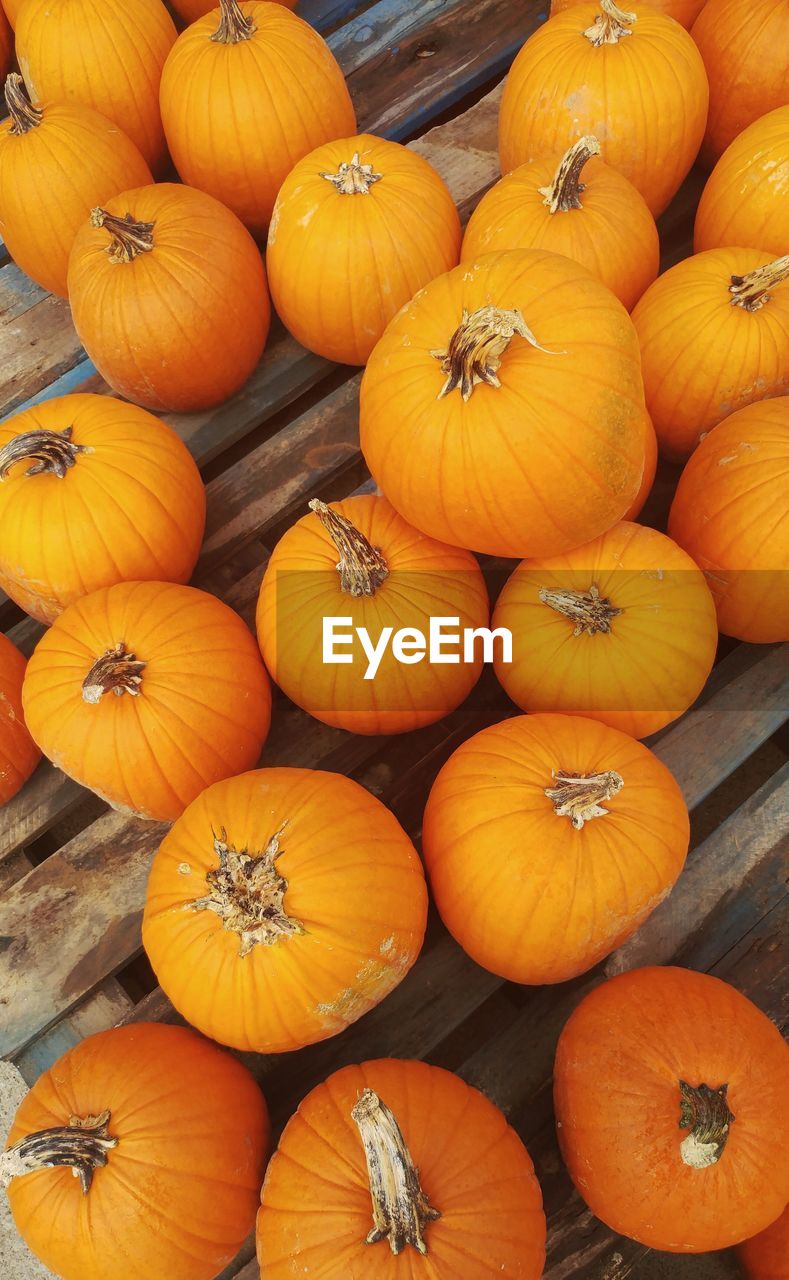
(353, 178)
(361, 566)
(117, 671)
(580, 796)
(611, 25)
(82, 1146)
(752, 290)
(129, 238)
(476, 347)
(233, 25)
(564, 193)
(591, 612)
(247, 892)
(50, 451)
(706, 1113)
(401, 1210)
(24, 116)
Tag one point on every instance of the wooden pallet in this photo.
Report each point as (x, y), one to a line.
(73, 873)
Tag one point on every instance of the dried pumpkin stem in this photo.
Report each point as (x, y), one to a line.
(611, 25)
(564, 193)
(580, 796)
(247, 892)
(129, 237)
(752, 290)
(116, 670)
(706, 1113)
(51, 451)
(24, 116)
(401, 1210)
(82, 1146)
(476, 347)
(234, 26)
(361, 566)
(354, 178)
(591, 612)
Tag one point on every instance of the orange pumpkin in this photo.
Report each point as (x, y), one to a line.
(622, 630)
(287, 954)
(499, 369)
(6, 44)
(10, 10)
(730, 515)
(139, 1153)
(746, 199)
(647, 479)
(146, 692)
(120, 48)
(190, 10)
(388, 574)
(517, 809)
(766, 1256)
(714, 335)
(359, 226)
(169, 297)
(743, 44)
(245, 94)
(633, 79)
(684, 12)
(121, 483)
(601, 222)
(400, 1158)
(671, 1082)
(19, 754)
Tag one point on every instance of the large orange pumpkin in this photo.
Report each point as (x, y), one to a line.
(670, 1094)
(601, 222)
(635, 80)
(743, 44)
(730, 514)
(190, 10)
(622, 630)
(245, 94)
(548, 841)
(286, 954)
(105, 54)
(394, 1170)
(146, 692)
(169, 297)
(684, 12)
(138, 1154)
(359, 226)
(714, 335)
(388, 575)
(766, 1256)
(19, 754)
(746, 199)
(121, 484)
(503, 408)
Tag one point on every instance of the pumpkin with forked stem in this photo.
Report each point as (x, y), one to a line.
(746, 199)
(19, 754)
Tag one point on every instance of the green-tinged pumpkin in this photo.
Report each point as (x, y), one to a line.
(19, 754)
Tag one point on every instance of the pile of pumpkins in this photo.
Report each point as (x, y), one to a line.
(520, 379)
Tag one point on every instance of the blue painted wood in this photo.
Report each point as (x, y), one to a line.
(73, 380)
(325, 15)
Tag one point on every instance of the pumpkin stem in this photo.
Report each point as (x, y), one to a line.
(361, 566)
(354, 179)
(129, 238)
(751, 291)
(116, 670)
(82, 1145)
(234, 26)
(705, 1112)
(579, 796)
(53, 451)
(477, 345)
(24, 116)
(247, 893)
(611, 25)
(401, 1210)
(564, 193)
(591, 612)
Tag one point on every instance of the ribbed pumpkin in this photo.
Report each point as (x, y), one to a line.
(684, 12)
(287, 954)
(146, 692)
(766, 1256)
(169, 297)
(730, 514)
(190, 10)
(743, 44)
(400, 1158)
(503, 408)
(45, 196)
(119, 48)
(647, 479)
(548, 841)
(576, 205)
(359, 226)
(746, 199)
(19, 754)
(246, 94)
(120, 482)
(388, 575)
(622, 630)
(138, 1154)
(714, 335)
(635, 80)
(673, 1083)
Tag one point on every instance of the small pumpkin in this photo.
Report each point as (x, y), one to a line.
(190, 10)
(499, 369)
(120, 45)
(168, 295)
(246, 92)
(575, 831)
(601, 222)
(359, 226)
(117, 479)
(730, 515)
(19, 754)
(146, 692)
(288, 955)
(399, 1158)
(766, 1256)
(139, 1153)
(673, 1082)
(684, 12)
(746, 199)
(633, 79)
(388, 574)
(622, 630)
(647, 479)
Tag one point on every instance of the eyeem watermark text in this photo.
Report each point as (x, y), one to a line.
(445, 643)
